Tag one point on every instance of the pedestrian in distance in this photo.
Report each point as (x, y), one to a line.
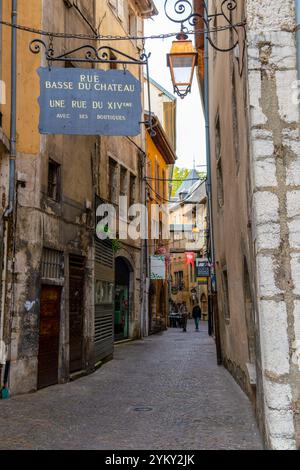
(197, 316)
(184, 316)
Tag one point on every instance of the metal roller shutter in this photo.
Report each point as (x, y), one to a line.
(104, 300)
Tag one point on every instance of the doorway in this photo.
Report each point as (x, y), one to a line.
(122, 289)
(49, 336)
(76, 295)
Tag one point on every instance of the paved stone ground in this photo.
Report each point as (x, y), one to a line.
(194, 403)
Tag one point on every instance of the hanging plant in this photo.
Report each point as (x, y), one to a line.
(116, 244)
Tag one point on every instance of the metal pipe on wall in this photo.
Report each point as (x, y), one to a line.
(12, 165)
(13, 117)
(213, 288)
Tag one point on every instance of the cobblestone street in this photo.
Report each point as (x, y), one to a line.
(165, 392)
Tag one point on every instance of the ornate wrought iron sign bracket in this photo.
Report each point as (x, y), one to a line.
(87, 53)
(182, 12)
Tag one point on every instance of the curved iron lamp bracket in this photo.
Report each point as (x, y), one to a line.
(93, 55)
(186, 16)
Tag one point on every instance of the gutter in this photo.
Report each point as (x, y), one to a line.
(147, 8)
(13, 117)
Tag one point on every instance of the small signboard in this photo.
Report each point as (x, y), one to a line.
(76, 101)
(158, 267)
(202, 268)
(202, 281)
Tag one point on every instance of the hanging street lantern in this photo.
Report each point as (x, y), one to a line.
(182, 61)
(183, 57)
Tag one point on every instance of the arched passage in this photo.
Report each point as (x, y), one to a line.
(123, 271)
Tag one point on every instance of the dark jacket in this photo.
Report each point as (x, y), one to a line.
(196, 312)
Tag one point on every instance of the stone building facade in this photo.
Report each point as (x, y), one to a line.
(255, 158)
(51, 262)
(188, 230)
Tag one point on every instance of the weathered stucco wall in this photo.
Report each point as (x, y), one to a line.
(66, 225)
(275, 163)
(231, 207)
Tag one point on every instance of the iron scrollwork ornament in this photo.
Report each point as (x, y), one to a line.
(182, 12)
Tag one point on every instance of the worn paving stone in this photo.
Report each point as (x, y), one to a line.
(194, 404)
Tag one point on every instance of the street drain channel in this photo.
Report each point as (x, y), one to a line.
(143, 408)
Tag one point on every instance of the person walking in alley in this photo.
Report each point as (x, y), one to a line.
(197, 316)
(184, 315)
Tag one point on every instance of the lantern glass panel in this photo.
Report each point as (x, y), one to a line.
(182, 68)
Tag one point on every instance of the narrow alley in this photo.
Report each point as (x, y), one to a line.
(164, 392)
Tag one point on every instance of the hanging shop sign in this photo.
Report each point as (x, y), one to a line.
(77, 101)
(202, 268)
(202, 281)
(158, 267)
(190, 258)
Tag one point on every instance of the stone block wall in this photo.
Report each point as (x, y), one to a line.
(275, 168)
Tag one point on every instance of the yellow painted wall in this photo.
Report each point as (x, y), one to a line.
(29, 13)
(153, 157)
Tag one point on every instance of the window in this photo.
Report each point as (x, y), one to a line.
(157, 178)
(123, 182)
(112, 178)
(132, 194)
(123, 206)
(165, 185)
(179, 280)
(132, 23)
(226, 308)
(118, 7)
(220, 187)
(53, 180)
(52, 264)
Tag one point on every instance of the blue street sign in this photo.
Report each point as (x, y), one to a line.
(76, 101)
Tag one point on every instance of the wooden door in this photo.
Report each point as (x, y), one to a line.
(76, 293)
(49, 336)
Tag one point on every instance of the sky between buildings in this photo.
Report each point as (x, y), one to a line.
(190, 119)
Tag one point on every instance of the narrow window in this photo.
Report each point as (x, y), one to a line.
(53, 180)
(132, 23)
(220, 186)
(113, 184)
(123, 182)
(226, 294)
(132, 190)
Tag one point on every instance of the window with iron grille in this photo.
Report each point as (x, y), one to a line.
(54, 180)
(52, 264)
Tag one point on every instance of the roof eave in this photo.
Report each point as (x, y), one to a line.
(147, 8)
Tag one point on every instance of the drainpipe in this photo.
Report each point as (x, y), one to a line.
(13, 117)
(12, 169)
(297, 7)
(214, 306)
